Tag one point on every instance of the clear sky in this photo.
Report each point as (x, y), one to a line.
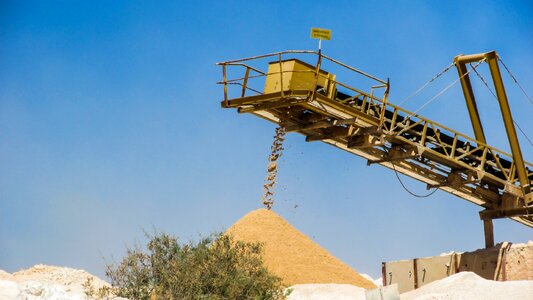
(110, 124)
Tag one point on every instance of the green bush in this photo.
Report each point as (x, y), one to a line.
(216, 267)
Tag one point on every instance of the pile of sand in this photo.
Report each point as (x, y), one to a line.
(291, 255)
(47, 282)
(469, 286)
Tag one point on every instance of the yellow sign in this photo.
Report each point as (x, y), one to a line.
(319, 33)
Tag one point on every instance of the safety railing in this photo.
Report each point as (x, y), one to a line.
(453, 145)
(250, 72)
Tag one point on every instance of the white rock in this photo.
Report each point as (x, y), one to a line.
(47, 283)
(468, 285)
(9, 290)
(326, 291)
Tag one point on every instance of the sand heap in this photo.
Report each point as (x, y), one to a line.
(47, 283)
(291, 255)
(469, 286)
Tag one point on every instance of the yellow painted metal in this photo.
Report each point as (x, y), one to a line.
(509, 124)
(492, 59)
(320, 33)
(427, 150)
(297, 75)
(385, 100)
(470, 100)
(488, 228)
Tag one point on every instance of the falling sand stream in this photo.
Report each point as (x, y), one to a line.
(275, 154)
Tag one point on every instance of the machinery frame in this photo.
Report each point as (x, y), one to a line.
(371, 127)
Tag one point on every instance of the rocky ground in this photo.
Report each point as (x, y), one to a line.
(43, 282)
(50, 283)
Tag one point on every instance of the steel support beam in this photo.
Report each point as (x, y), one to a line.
(488, 229)
(333, 133)
(509, 123)
(506, 213)
(470, 99)
(492, 60)
(320, 124)
(270, 105)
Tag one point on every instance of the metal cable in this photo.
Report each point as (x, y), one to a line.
(442, 92)
(403, 185)
(424, 105)
(522, 131)
(485, 82)
(427, 83)
(493, 94)
(515, 80)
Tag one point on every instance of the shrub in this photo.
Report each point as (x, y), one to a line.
(216, 267)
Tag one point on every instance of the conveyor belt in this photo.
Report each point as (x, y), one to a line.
(445, 138)
(385, 134)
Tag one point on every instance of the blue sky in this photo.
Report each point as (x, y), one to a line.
(110, 123)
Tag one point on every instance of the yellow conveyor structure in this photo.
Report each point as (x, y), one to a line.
(303, 97)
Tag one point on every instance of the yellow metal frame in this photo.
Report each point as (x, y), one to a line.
(370, 126)
(492, 59)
